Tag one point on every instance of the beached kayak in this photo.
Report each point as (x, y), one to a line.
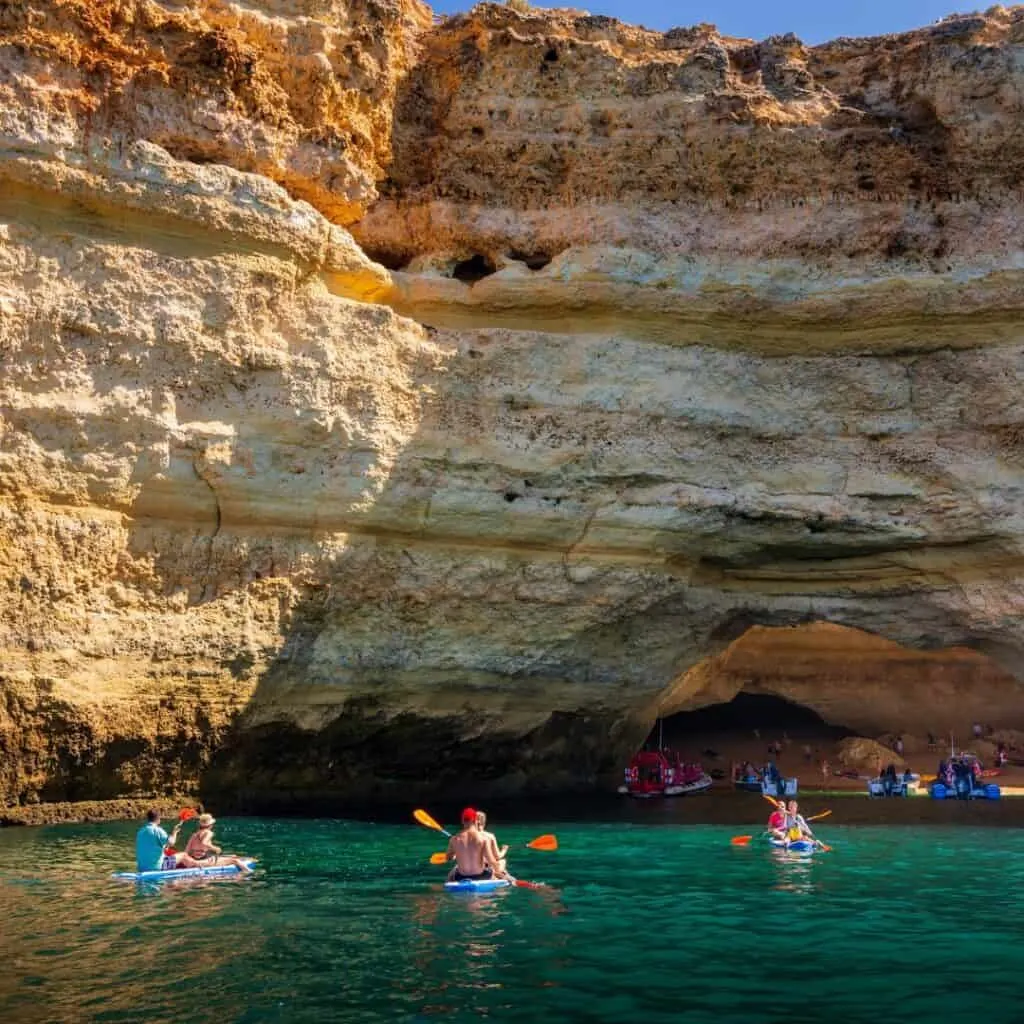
(155, 876)
(804, 846)
(479, 885)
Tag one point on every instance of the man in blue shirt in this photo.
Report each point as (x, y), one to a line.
(150, 841)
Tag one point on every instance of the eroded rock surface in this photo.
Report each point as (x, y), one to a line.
(677, 335)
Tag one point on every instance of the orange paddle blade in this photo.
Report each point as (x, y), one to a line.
(818, 817)
(187, 814)
(740, 840)
(543, 843)
(426, 820)
(439, 858)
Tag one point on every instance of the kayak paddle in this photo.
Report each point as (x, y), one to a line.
(547, 843)
(187, 814)
(428, 822)
(740, 840)
(816, 817)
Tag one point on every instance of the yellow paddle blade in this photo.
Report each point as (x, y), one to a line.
(439, 858)
(817, 817)
(773, 801)
(740, 840)
(543, 843)
(426, 820)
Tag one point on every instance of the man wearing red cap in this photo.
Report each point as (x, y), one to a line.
(470, 851)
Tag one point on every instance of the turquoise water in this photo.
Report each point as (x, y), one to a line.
(347, 921)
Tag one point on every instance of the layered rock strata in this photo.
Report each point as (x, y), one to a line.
(638, 341)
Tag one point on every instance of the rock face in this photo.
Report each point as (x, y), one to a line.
(638, 341)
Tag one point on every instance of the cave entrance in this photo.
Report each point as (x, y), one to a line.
(762, 715)
(754, 727)
(827, 699)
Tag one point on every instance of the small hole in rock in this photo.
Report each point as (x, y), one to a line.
(476, 268)
(387, 258)
(533, 260)
(511, 496)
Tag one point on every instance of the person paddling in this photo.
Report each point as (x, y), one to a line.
(471, 852)
(796, 828)
(201, 849)
(150, 843)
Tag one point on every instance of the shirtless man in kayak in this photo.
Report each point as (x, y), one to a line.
(471, 853)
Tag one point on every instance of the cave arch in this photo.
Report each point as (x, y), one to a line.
(855, 681)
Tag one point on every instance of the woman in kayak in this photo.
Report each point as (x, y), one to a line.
(777, 822)
(202, 850)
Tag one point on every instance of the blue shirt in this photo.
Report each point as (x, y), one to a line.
(150, 841)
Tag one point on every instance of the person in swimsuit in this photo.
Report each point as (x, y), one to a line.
(497, 854)
(200, 848)
(471, 852)
(777, 822)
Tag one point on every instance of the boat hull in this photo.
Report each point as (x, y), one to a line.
(700, 786)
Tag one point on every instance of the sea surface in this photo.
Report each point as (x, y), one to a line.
(347, 921)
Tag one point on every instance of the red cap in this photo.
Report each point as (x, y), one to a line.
(469, 814)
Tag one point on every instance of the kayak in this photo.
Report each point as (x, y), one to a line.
(804, 846)
(155, 876)
(477, 885)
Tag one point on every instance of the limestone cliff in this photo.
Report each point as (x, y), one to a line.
(638, 341)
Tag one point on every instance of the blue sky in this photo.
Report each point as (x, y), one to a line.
(815, 21)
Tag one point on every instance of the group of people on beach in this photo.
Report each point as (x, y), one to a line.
(475, 850)
(787, 824)
(154, 848)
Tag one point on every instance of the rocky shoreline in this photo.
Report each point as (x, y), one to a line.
(93, 811)
(719, 808)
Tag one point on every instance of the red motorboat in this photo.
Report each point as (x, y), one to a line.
(653, 773)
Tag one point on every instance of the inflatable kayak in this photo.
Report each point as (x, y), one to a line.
(804, 846)
(155, 876)
(478, 885)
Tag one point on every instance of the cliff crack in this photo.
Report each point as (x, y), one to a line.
(591, 516)
(218, 517)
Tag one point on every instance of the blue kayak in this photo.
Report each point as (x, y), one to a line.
(804, 846)
(154, 876)
(478, 885)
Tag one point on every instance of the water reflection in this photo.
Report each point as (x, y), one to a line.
(793, 873)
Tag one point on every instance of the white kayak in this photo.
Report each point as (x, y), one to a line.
(155, 876)
(477, 885)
